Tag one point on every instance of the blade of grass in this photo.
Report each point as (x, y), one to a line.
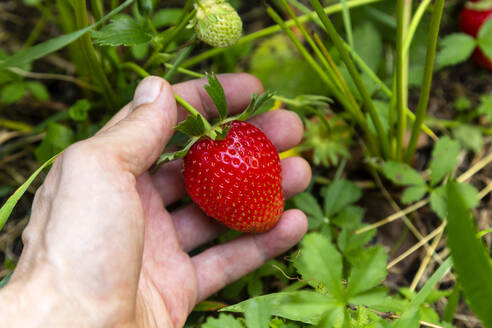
(347, 23)
(52, 45)
(417, 17)
(427, 78)
(9, 205)
(359, 117)
(330, 29)
(181, 57)
(412, 309)
(471, 261)
(92, 62)
(366, 69)
(273, 29)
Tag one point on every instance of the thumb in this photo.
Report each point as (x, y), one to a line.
(137, 140)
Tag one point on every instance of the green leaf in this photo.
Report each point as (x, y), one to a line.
(469, 136)
(79, 111)
(452, 305)
(409, 317)
(462, 104)
(368, 272)
(309, 205)
(38, 91)
(471, 261)
(52, 45)
(333, 318)
(368, 44)
(12, 92)
(439, 198)
(57, 138)
(192, 125)
(484, 38)
(338, 195)
(349, 217)
(351, 244)
(254, 106)
(379, 300)
(305, 306)
(5, 279)
(255, 286)
(205, 306)
(485, 107)
(455, 48)
(166, 17)
(320, 262)
(413, 194)
(257, 313)
(444, 158)
(122, 31)
(224, 320)
(216, 93)
(402, 174)
(9, 205)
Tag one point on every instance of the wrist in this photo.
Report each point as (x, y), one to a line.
(35, 301)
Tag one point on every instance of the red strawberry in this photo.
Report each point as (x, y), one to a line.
(471, 19)
(236, 180)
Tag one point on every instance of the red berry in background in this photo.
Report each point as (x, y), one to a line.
(471, 20)
(236, 180)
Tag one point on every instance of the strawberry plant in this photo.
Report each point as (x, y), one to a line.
(397, 130)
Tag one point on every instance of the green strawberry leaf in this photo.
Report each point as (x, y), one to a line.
(484, 38)
(338, 195)
(254, 106)
(320, 263)
(192, 125)
(413, 194)
(469, 136)
(349, 217)
(224, 320)
(305, 306)
(122, 31)
(455, 49)
(257, 313)
(309, 205)
(12, 92)
(79, 111)
(444, 158)
(402, 174)
(352, 244)
(368, 272)
(168, 157)
(439, 198)
(216, 93)
(485, 107)
(38, 90)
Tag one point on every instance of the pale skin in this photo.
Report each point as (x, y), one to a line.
(101, 250)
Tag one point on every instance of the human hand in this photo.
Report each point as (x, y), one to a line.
(102, 250)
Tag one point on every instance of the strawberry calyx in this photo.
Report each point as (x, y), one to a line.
(196, 127)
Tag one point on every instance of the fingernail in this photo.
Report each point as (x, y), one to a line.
(147, 91)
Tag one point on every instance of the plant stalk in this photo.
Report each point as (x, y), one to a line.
(330, 29)
(427, 78)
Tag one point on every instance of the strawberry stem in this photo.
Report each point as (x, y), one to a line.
(190, 109)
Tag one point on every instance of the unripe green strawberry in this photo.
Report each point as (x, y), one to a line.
(236, 180)
(217, 23)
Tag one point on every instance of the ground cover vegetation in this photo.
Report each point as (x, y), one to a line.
(396, 99)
